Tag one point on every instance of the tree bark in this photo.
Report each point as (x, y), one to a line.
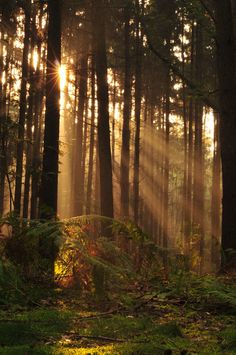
(198, 174)
(2, 133)
(78, 173)
(49, 180)
(125, 148)
(22, 113)
(28, 165)
(92, 140)
(216, 198)
(227, 94)
(104, 148)
(37, 134)
(166, 164)
(138, 97)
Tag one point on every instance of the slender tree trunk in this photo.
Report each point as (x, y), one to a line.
(92, 140)
(97, 190)
(6, 103)
(28, 165)
(154, 200)
(189, 202)
(113, 142)
(161, 175)
(2, 132)
(36, 156)
(22, 113)
(125, 149)
(198, 192)
(216, 197)
(73, 159)
(138, 97)
(166, 164)
(84, 155)
(78, 178)
(185, 193)
(104, 148)
(49, 181)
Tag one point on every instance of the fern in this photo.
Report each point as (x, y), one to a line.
(229, 338)
(10, 282)
(77, 246)
(209, 292)
(81, 251)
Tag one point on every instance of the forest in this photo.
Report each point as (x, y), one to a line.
(118, 177)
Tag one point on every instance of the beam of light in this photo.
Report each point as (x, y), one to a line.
(159, 138)
(4, 78)
(62, 74)
(63, 81)
(154, 205)
(35, 59)
(210, 127)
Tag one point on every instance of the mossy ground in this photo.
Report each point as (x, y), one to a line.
(63, 322)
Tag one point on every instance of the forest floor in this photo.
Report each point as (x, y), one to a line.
(197, 316)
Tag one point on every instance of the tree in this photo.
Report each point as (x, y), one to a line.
(198, 173)
(104, 149)
(22, 113)
(138, 99)
(227, 94)
(78, 186)
(92, 141)
(125, 149)
(49, 180)
(216, 196)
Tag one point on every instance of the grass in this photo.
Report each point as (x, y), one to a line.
(193, 320)
(67, 328)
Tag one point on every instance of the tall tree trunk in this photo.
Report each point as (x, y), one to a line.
(184, 98)
(78, 178)
(227, 87)
(216, 197)
(92, 140)
(161, 175)
(113, 140)
(198, 187)
(37, 123)
(23, 107)
(97, 189)
(154, 217)
(99, 40)
(6, 103)
(30, 114)
(36, 156)
(125, 148)
(73, 159)
(28, 165)
(189, 202)
(49, 180)
(166, 164)
(84, 155)
(138, 97)
(2, 132)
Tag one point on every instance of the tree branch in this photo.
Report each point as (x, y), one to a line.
(208, 10)
(190, 83)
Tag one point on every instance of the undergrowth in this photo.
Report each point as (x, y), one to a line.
(112, 295)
